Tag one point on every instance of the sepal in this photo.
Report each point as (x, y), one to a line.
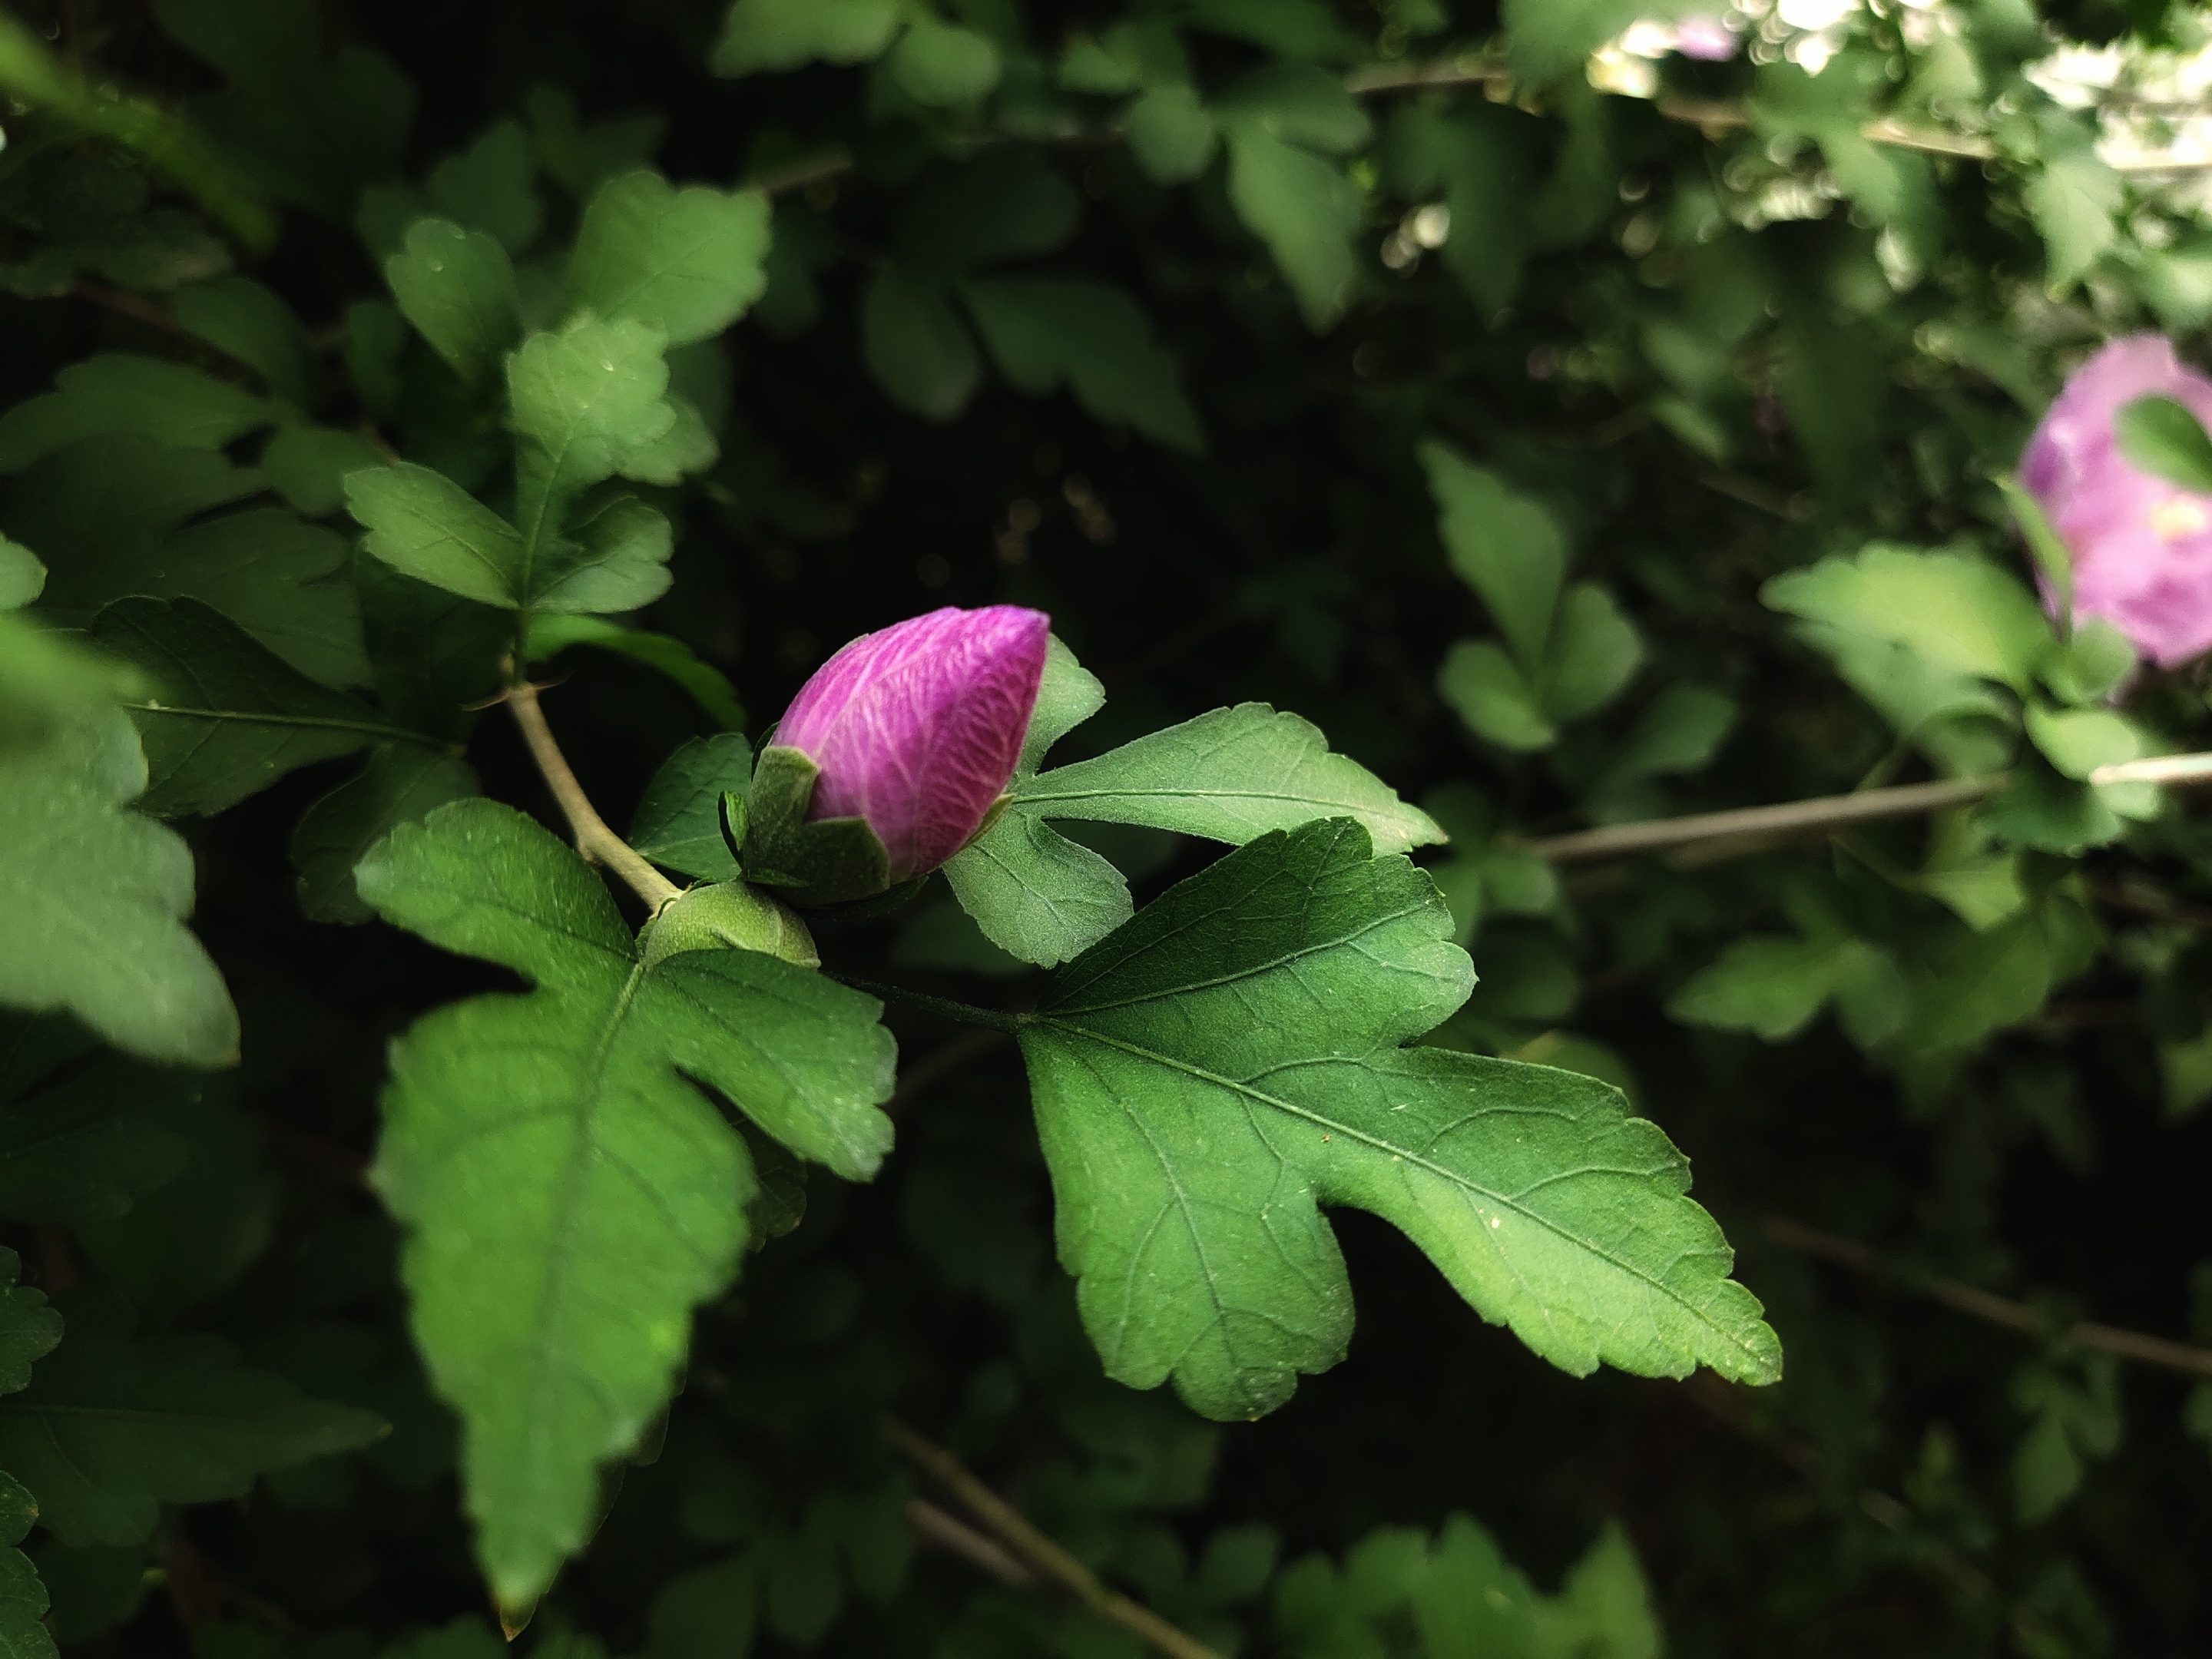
(826, 861)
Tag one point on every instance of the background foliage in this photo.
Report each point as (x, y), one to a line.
(1574, 432)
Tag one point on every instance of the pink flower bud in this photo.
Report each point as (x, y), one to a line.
(916, 727)
(2142, 547)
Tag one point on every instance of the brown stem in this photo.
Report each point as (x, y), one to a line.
(1038, 1552)
(940, 1063)
(1983, 1305)
(797, 175)
(594, 840)
(1754, 826)
(933, 1526)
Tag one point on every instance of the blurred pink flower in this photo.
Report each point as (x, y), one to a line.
(2142, 547)
(916, 727)
(1706, 37)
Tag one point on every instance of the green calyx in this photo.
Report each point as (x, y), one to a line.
(825, 862)
(727, 915)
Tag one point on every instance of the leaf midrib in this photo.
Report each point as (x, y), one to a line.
(1270, 965)
(310, 722)
(1452, 1177)
(552, 1300)
(1350, 808)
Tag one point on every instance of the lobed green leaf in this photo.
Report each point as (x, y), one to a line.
(569, 1190)
(1213, 1074)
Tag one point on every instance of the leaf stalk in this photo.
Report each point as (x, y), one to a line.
(598, 843)
(967, 1013)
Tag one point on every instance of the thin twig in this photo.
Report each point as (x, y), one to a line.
(797, 175)
(1962, 1298)
(1038, 1552)
(1826, 812)
(940, 1063)
(594, 840)
(1471, 68)
(933, 1526)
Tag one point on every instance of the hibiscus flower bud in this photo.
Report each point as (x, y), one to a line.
(916, 728)
(2142, 547)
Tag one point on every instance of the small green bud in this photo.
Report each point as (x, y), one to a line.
(725, 915)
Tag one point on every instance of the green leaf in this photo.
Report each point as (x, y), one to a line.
(1171, 134)
(23, 1601)
(400, 783)
(1227, 775)
(191, 1238)
(1493, 698)
(1681, 731)
(116, 392)
(110, 1429)
(1298, 104)
(1289, 28)
(1005, 204)
(1035, 893)
(2054, 560)
(686, 262)
(1304, 209)
(1773, 986)
(709, 686)
(30, 1330)
(1594, 652)
(585, 401)
(110, 516)
(93, 897)
(2091, 664)
(915, 347)
(781, 34)
(708, 1609)
(1973, 983)
(458, 289)
(613, 556)
(1503, 544)
(569, 1192)
(1230, 1060)
(1044, 331)
(679, 817)
(220, 716)
(80, 1133)
(2163, 438)
(1548, 39)
(308, 466)
(241, 317)
(2073, 200)
(491, 186)
(686, 447)
(22, 578)
(941, 64)
(313, 125)
(1068, 694)
(2077, 741)
(47, 680)
(579, 155)
(423, 524)
(1955, 612)
(1959, 720)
